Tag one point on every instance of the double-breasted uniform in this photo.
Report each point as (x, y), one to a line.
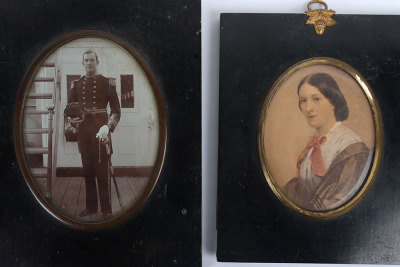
(95, 94)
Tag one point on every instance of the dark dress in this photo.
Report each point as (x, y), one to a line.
(340, 180)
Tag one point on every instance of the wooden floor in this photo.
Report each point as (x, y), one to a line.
(69, 195)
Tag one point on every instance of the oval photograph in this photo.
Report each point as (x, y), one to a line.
(91, 130)
(320, 137)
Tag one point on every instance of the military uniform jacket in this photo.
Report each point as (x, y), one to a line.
(95, 94)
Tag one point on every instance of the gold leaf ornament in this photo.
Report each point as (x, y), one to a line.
(320, 18)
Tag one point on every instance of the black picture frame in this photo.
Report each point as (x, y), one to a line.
(253, 224)
(166, 231)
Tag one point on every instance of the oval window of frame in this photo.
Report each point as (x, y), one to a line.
(90, 129)
(320, 138)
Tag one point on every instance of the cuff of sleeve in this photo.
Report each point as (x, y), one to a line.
(110, 128)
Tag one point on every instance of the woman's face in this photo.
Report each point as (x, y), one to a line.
(316, 108)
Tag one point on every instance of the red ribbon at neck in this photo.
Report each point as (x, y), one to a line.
(317, 164)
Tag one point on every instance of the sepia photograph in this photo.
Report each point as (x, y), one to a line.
(93, 131)
(320, 138)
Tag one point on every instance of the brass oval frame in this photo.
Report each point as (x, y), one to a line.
(18, 131)
(369, 180)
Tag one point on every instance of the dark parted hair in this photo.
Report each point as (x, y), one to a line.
(330, 89)
(90, 51)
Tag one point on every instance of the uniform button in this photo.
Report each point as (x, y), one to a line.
(94, 107)
(83, 92)
(94, 102)
(94, 81)
(94, 91)
(94, 86)
(84, 82)
(94, 97)
(83, 97)
(83, 87)
(84, 103)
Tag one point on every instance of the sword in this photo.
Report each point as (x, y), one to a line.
(106, 142)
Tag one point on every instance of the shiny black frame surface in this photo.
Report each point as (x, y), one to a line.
(166, 231)
(253, 225)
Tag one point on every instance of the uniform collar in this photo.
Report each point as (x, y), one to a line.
(86, 76)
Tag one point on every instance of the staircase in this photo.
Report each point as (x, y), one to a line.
(40, 139)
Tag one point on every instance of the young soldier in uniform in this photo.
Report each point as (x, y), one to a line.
(94, 92)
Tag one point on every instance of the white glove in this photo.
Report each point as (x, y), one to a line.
(103, 132)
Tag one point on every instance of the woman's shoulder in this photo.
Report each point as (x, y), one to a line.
(339, 139)
(342, 132)
(348, 143)
(343, 136)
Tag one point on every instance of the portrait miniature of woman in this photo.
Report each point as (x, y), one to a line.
(329, 169)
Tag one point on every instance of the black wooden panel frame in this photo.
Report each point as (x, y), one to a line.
(253, 225)
(167, 229)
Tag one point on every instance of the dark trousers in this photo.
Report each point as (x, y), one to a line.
(89, 147)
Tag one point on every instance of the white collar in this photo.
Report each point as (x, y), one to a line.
(337, 124)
